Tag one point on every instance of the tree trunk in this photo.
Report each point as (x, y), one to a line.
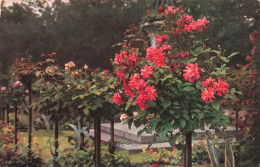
(82, 146)
(184, 154)
(3, 109)
(188, 150)
(237, 120)
(56, 134)
(30, 121)
(112, 141)
(7, 112)
(15, 125)
(97, 129)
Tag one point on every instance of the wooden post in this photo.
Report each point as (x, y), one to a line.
(97, 129)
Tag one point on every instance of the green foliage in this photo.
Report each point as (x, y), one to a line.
(162, 156)
(117, 159)
(77, 158)
(231, 23)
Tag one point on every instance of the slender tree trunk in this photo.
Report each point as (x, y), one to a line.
(112, 140)
(81, 135)
(112, 130)
(188, 149)
(56, 134)
(30, 121)
(184, 154)
(237, 119)
(3, 108)
(7, 112)
(97, 129)
(15, 125)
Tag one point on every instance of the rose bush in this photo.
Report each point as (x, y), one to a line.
(176, 85)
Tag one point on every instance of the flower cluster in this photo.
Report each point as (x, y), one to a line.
(211, 87)
(191, 72)
(69, 65)
(157, 54)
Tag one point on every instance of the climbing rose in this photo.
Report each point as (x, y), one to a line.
(3, 88)
(117, 99)
(191, 72)
(221, 87)
(70, 64)
(207, 94)
(147, 71)
(85, 67)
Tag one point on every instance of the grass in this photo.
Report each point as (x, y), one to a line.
(42, 137)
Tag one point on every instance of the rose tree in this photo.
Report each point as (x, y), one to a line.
(177, 84)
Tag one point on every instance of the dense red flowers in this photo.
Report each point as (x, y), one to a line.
(147, 71)
(117, 99)
(191, 72)
(198, 26)
(161, 38)
(212, 87)
(156, 55)
(207, 94)
(221, 87)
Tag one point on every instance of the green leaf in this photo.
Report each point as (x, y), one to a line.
(163, 135)
(92, 87)
(182, 123)
(171, 112)
(167, 77)
(140, 132)
(188, 89)
(229, 156)
(186, 117)
(97, 93)
(151, 104)
(224, 59)
(213, 154)
(86, 111)
(129, 102)
(200, 116)
(161, 70)
(192, 60)
(126, 75)
(215, 105)
(172, 141)
(233, 54)
(166, 104)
